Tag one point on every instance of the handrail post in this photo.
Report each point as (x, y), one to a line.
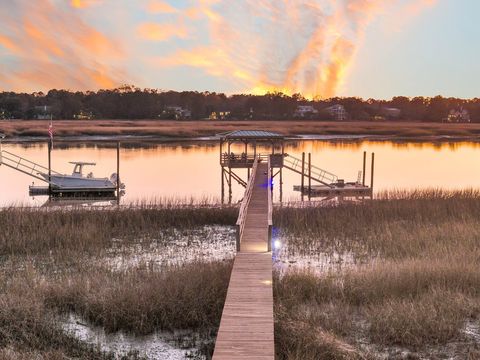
(270, 206)
(237, 238)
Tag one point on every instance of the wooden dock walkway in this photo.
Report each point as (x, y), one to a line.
(246, 328)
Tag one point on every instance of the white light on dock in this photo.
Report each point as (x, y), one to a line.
(277, 244)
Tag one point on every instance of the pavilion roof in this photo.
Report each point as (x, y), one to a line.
(252, 134)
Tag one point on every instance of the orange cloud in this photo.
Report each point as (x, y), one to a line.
(82, 4)
(161, 32)
(303, 46)
(55, 48)
(8, 44)
(160, 7)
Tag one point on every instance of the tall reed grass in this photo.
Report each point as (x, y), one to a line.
(35, 231)
(418, 286)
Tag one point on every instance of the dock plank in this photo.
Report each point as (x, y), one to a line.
(246, 328)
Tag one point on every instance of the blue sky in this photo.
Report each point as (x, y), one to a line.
(323, 48)
(431, 54)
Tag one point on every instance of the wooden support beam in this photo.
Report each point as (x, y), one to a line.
(309, 174)
(303, 173)
(364, 167)
(49, 168)
(372, 173)
(223, 184)
(118, 173)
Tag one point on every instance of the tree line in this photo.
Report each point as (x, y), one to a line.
(129, 102)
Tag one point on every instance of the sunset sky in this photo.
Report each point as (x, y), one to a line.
(316, 47)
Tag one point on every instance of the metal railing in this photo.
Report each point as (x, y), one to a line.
(242, 213)
(25, 166)
(317, 174)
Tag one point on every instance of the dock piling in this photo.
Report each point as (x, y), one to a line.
(372, 173)
(303, 173)
(309, 176)
(118, 172)
(364, 167)
(49, 169)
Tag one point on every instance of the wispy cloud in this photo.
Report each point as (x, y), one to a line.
(54, 47)
(157, 6)
(293, 46)
(305, 46)
(161, 32)
(82, 4)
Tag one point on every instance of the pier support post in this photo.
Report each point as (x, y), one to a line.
(309, 176)
(372, 174)
(222, 173)
(281, 185)
(364, 167)
(230, 185)
(303, 174)
(118, 173)
(49, 169)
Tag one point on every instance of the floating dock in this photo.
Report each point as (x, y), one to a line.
(347, 190)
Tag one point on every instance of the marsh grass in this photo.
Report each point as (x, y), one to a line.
(52, 266)
(35, 231)
(142, 302)
(418, 288)
(186, 129)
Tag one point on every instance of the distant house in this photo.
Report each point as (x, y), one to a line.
(43, 112)
(84, 115)
(176, 112)
(458, 115)
(337, 111)
(305, 111)
(219, 115)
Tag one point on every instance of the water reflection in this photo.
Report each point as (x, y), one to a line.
(191, 169)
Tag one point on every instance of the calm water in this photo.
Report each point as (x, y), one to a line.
(192, 170)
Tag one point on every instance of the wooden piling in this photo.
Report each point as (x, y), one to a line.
(309, 176)
(372, 173)
(118, 171)
(222, 173)
(364, 167)
(49, 168)
(303, 173)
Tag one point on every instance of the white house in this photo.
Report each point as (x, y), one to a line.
(178, 112)
(303, 111)
(338, 112)
(459, 115)
(43, 112)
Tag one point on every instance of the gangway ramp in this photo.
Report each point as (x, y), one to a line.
(317, 174)
(24, 165)
(246, 328)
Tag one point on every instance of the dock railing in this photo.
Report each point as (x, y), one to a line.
(235, 160)
(242, 214)
(270, 205)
